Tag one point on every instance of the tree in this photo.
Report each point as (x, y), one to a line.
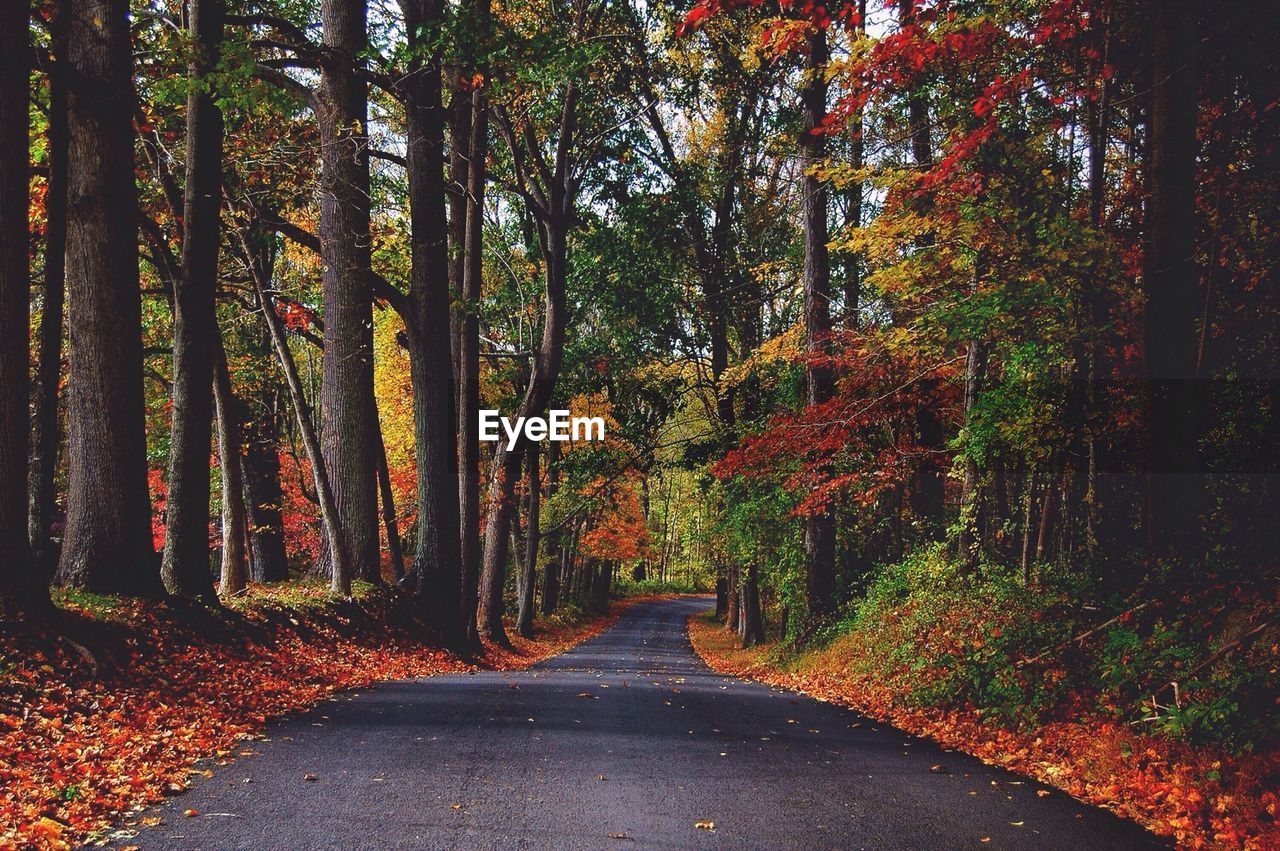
(107, 545)
(184, 564)
(819, 539)
(436, 567)
(1174, 486)
(46, 432)
(346, 395)
(474, 106)
(235, 569)
(17, 569)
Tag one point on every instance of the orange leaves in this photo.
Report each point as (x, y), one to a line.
(1201, 797)
(83, 749)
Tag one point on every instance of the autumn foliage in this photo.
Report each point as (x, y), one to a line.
(89, 736)
(1204, 797)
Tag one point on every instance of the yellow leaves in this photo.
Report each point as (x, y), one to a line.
(781, 348)
(705, 824)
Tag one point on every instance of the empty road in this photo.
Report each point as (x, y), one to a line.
(626, 742)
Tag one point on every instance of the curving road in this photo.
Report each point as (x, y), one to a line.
(627, 742)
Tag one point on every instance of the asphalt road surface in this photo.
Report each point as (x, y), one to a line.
(626, 742)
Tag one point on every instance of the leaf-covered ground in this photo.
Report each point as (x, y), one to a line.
(114, 709)
(1203, 797)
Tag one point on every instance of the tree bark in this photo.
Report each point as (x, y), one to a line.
(1175, 490)
(17, 568)
(751, 630)
(853, 263)
(550, 544)
(469, 343)
(234, 575)
(340, 571)
(263, 495)
(929, 497)
(436, 569)
(528, 582)
(107, 546)
(387, 502)
(819, 532)
(346, 389)
(45, 426)
(184, 564)
(969, 543)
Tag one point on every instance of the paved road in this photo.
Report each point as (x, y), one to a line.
(625, 742)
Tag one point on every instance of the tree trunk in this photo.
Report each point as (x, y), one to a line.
(346, 389)
(819, 532)
(929, 496)
(1174, 487)
(438, 583)
(340, 572)
(550, 544)
(18, 576)
(184, 565)
(751, 631)
(387, 501)
(1095, 314)
(107, 546)
(235, 569)
(528, 583)
(969, 542)
(469, 352)
(853, 263)
(45, 425)
(263, 495)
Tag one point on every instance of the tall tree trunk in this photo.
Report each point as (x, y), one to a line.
(340, 570)
(853, 263)
(184, 565)
(387, 502)
(550, 545)
(107, 546)
(1174, 487)
(346, 390)
(469, 353)
(469, 323)
(751, 628)
(1095, 315)
(969, 543)
(528, 582)
(930, 491)
(234, 575)
(45, 426)
(17, 568)
(436, 563)
(819, 532)
(263, 495)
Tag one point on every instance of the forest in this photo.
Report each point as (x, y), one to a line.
(938, 338)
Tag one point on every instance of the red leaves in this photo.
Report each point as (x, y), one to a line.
(77, 751)
(695, 18)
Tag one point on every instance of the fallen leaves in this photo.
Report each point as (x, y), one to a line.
(705, 824)
(91, 742)
(1199, 796)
